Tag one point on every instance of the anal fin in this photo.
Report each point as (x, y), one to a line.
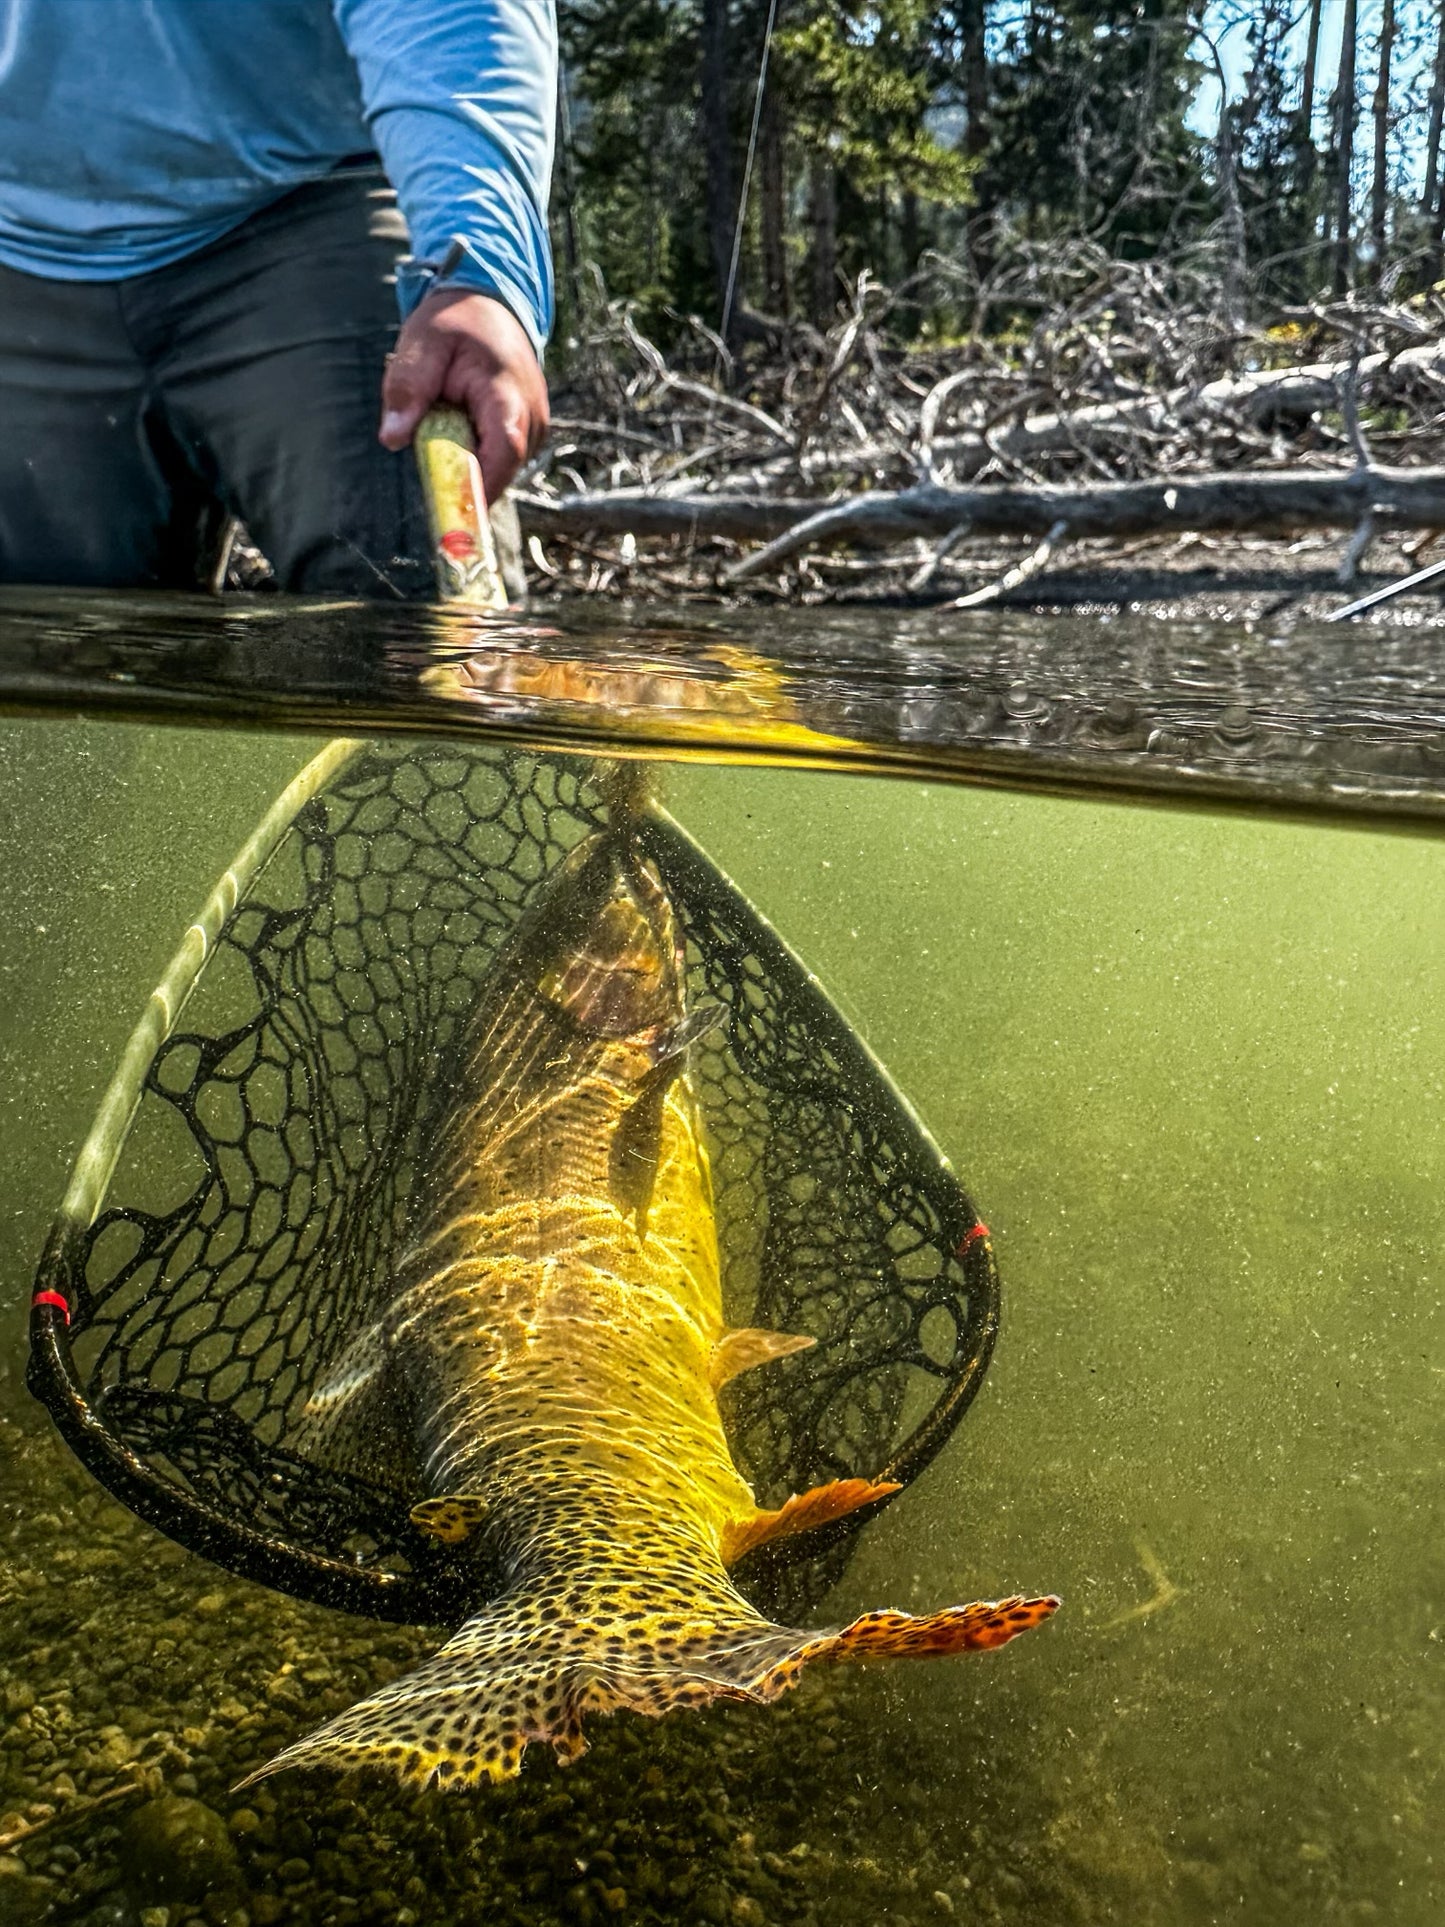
(738, 1351)
(977, 1628)
(802, 1512)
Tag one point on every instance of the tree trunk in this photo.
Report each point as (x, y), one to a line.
(1380, 178)
(973, 16)
(1304, 136)
(721, 213)
(1432, 198)
(1345, 105)
(910, 231)
(1231, 288)
(973, 20)
(823, 253)
(1306, 153)
(773, 185)
(567, 182)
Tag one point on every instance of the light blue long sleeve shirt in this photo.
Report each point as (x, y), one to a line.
(133, 132)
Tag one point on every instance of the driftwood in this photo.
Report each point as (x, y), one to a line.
(1281, 502)
(1126, 409)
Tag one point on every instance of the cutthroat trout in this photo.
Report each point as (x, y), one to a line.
(555, 1347)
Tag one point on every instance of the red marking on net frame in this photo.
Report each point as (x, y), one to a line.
(52, 1298)
(970, 1238)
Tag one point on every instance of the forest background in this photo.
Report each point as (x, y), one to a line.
(911, 279)
(1293, 144)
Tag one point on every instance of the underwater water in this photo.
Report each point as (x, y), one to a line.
(1190, 1069)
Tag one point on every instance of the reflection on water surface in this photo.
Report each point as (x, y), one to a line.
(1319, 719)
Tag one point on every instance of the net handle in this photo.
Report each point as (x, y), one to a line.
(464, 555)
(467, 571)
(95, 1163)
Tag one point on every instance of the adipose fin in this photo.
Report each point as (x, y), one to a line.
(452, 1519)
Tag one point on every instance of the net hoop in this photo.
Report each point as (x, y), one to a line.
(442, 1584)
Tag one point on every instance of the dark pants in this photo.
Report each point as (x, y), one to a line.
(136, 416)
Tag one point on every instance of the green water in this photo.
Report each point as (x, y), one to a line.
(1191, 1071)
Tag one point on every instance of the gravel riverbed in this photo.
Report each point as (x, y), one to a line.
(138, 1685)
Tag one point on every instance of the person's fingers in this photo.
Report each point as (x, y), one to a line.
(414, 378)
(469, 349)
(509, 416)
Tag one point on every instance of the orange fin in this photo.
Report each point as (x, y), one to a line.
(802, 1512)
(739, 1351)
(957, 1629)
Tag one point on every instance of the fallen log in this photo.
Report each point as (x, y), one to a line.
(1280, 502)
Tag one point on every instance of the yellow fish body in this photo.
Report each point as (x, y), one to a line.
(556, 1345)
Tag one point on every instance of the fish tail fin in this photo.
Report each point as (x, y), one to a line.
(523, 1671)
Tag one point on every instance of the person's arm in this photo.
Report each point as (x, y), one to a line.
(460, 96)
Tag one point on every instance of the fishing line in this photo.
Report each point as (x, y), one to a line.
(748, 169)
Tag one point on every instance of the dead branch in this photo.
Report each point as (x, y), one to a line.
(1033, 564)
(1110, 398)
(1275, 503)
(1255, 399)
(1403, 586)
(58, 1819)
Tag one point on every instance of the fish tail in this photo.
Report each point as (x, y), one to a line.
(518, 1673)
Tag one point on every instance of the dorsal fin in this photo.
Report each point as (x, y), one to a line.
(738, 1351)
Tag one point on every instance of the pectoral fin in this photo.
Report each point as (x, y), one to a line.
(356, 1420)
(636, 1142)
(451, 1519)
(802, 1512)
(739, 1351)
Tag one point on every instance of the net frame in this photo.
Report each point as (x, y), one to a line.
(209, 1481)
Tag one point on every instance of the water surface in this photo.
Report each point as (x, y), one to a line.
(1191, 1070)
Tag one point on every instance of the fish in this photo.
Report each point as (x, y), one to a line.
(552, 1355)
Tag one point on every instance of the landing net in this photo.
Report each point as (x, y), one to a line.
(236, 1215)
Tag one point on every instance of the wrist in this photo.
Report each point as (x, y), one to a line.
(460, 270)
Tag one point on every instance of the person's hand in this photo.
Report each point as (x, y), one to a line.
(462, 347)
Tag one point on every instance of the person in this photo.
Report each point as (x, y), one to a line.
(208, 215)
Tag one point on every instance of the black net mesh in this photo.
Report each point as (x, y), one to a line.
(267, 1180)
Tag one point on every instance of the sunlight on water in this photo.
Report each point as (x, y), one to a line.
(1191, 1072)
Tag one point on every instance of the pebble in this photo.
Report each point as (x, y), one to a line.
(793, 1816)
(25, 1898)
(177, 1848)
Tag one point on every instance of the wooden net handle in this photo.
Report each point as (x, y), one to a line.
(463, 553)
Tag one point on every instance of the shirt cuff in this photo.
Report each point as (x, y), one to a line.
(463, 267)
